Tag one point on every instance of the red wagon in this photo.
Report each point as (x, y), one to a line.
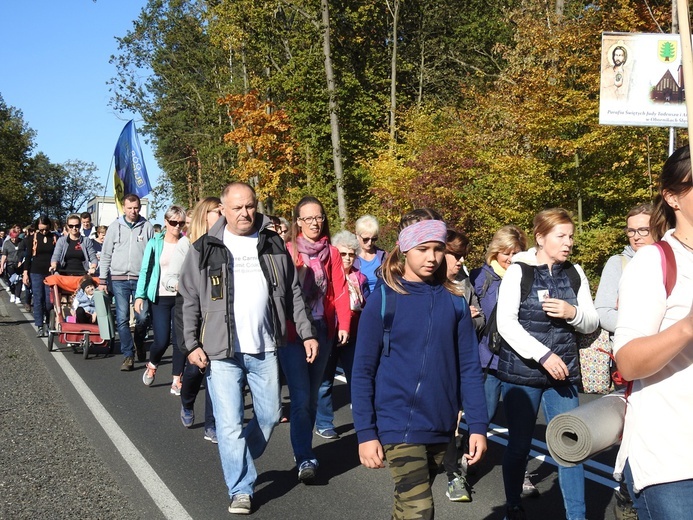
(84, 336)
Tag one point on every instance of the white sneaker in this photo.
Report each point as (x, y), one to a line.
(12, 298)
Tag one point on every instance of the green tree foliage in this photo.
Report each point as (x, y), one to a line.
(16, 143)
(170, 73)
(60, 189)
(497, 108)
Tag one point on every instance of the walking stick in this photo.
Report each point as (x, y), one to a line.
(687, 62)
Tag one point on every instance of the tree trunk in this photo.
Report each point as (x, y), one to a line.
(560, 4)
(393, 72)
(334, 119)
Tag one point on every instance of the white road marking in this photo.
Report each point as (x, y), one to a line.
(162, 496)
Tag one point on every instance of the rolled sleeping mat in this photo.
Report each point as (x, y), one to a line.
(575, 436)
(104, 318)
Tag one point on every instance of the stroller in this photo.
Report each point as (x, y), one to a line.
(84, 336)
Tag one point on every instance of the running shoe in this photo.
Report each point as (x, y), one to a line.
(149, 374)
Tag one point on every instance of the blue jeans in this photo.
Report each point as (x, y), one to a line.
(42, 298)
(304, 381)
(521, 407)
(324, 418)
(124, 294)
(239, 446)
(670, 501)
(162, 325)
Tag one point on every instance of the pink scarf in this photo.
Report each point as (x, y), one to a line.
(315, 255)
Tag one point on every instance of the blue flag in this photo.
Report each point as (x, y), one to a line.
(130, 174)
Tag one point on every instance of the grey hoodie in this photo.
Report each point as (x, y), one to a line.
(606, 300)
(123, 249)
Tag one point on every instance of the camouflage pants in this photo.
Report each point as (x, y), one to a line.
(413, 468)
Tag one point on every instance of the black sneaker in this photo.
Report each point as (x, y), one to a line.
(128, 364)
(515, 513)
(306, 471)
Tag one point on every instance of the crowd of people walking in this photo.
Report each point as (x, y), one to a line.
(423, 342)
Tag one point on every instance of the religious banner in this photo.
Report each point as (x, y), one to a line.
(642, 80)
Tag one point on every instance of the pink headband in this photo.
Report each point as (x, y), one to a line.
(421, 232)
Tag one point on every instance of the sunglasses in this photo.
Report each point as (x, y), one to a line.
(350, 255)
(368, 239)
(73, 226)
(176, 223)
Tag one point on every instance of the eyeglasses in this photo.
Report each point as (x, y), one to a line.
(368, 239)
(44, 230)
(177, 223)
(283, 231)
(73, 226)
(309, 220)
(350, 255)
(642, 231)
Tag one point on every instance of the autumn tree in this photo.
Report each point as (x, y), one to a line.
(267, 153)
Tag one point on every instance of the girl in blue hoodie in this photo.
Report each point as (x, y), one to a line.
(416, 364)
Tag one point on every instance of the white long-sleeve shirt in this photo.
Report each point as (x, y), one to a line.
(658, 432)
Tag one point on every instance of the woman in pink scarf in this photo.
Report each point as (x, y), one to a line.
(325, 289)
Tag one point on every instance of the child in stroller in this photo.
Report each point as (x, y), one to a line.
(83, 306)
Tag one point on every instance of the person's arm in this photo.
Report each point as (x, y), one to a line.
(189, 284)
(106, 254)
(507, 311)
(302, 316)
(58, 252)
(90, 254)
(471, 377)
(473, 300)
(641, 350)
(606, 301)
(144, 276)
(366, 360)
(363, 284)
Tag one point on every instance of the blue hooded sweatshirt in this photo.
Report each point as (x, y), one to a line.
(412, 395)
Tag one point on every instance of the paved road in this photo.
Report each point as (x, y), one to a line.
(80, 439)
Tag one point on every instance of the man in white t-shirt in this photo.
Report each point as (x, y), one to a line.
(239, 287)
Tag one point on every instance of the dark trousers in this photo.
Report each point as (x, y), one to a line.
(192, 376)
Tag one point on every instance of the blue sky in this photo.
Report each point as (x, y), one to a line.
(54, 68)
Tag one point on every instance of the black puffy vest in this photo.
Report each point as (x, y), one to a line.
(555, 333)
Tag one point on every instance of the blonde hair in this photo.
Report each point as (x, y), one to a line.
(505, 239)
(392, 269)
(198, 221)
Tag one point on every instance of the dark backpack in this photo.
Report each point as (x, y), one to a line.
(495, 341)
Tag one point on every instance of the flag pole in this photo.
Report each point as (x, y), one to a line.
(687, 62)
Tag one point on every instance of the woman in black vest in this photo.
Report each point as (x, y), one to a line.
(541, 305)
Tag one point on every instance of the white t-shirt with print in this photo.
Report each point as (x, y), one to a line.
(251, 296)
